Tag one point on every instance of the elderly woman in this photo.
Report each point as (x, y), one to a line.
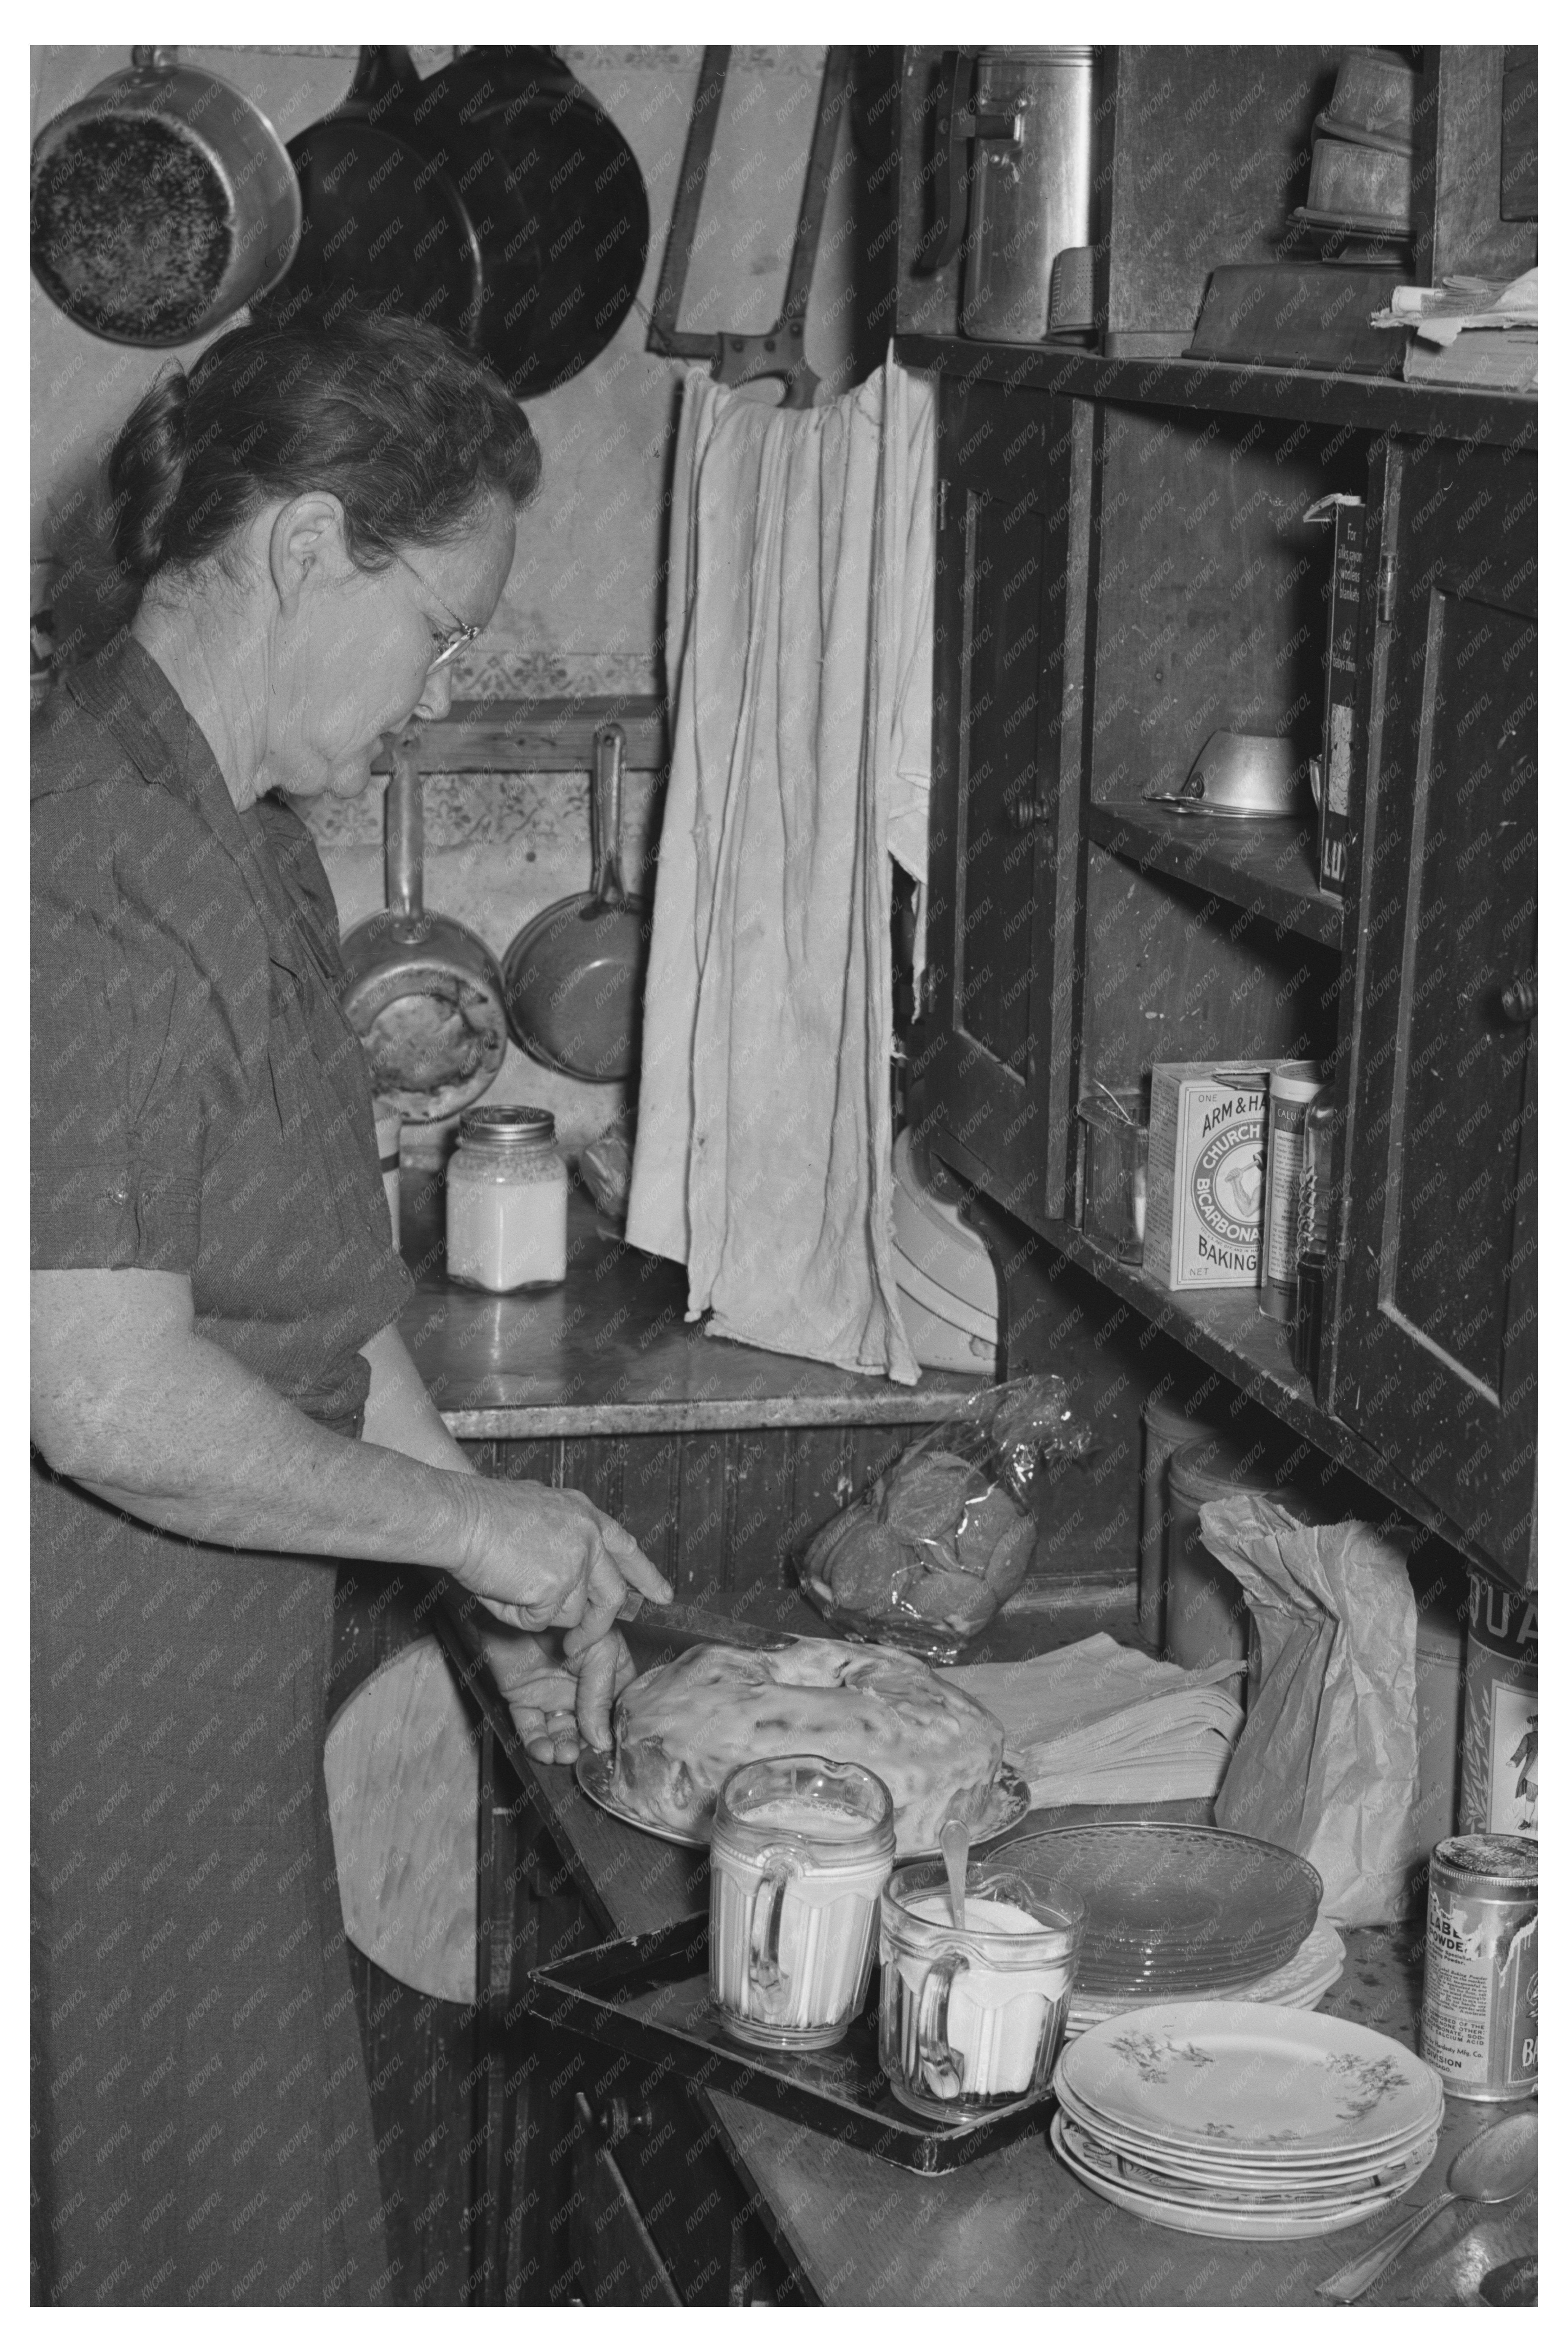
(222, 1407)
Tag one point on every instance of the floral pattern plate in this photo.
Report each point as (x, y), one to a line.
(1215, 2221)
(1261, 2192)
(1239, 2170)
(1276, 2083)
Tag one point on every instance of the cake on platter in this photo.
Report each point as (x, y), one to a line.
(681, 1728)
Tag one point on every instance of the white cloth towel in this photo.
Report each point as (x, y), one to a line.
(764, 1156)
(1096, 1723)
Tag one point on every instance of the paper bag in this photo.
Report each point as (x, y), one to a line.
(1326, 1763)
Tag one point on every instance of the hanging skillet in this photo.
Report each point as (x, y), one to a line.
(553, 192)
(573, 977)
(162, 202)
(382, 221)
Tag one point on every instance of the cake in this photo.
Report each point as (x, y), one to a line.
(682, 1728)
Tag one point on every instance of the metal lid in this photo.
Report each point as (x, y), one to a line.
(507, 1123)
(1507, 1861)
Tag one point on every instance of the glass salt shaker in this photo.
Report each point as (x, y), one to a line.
(506, 1201)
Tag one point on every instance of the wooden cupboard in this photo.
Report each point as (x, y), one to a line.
(1079, 933)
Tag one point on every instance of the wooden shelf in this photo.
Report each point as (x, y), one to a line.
(1264, 865)
(551, 734)
(1229, 1332)
(611, 1354)
(1365, 403)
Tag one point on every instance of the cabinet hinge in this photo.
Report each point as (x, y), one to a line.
(1387, 582)
(942, 504)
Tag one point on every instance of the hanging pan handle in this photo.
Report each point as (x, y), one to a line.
(404, 833)
(609, 762)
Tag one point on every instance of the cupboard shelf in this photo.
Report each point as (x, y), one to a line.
(1265, 866)
(1227, 1330)
(1229, 387)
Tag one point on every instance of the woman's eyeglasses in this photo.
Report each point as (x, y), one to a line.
(448, 643)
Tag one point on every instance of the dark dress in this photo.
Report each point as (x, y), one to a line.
(201, 2127)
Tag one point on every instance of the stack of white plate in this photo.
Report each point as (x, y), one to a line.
(1228, 2120)
(1301, 1983)
(947, 1284)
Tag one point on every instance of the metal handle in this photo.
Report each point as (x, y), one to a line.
(609, 760)
(1026, 810)
(766, 1979)
(1519, 1000)
(405, 833)
(1356, 2277)
(940, 2067)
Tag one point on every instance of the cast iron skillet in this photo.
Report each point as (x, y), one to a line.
(497, 197)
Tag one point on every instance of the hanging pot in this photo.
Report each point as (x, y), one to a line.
(162, 203)
(573, 977)
(424, 991)
(507, 140)
(384, 223)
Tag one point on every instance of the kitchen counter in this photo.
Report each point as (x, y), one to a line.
(1014, 2226)
(610, 1350)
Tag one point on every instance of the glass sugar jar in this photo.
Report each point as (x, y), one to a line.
(506, 1201)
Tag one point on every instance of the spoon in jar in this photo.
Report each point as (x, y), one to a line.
(1495, 2166)
(955, 1855)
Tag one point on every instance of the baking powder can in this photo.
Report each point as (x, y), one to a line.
(1481, 2002)
(1293, 1087)
(1500, 1762)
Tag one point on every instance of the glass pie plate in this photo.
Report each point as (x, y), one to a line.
(594, 1774)
(1172, 1907)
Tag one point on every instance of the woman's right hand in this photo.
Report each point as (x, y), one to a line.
(547, 1555)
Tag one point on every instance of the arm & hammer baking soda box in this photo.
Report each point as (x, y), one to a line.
(1207, 1122)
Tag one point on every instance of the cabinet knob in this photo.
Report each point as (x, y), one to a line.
(1519, 1000)
(1025, 811)
(616, 2121)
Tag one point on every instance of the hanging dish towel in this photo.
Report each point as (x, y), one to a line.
(764, 1153)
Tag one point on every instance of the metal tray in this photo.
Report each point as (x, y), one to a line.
(647, 1995)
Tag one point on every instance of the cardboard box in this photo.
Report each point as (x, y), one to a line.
(1205, 1212)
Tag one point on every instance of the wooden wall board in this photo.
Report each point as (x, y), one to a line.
(926, 305)
(1163, 984)
(1206, 152)
(1208, 588)
(1460, 229)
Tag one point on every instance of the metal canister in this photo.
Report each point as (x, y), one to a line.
(1480, 2006)
(1033, 123)
(1499, 1770)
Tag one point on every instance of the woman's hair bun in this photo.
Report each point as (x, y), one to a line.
(409, 432)
(146, 468)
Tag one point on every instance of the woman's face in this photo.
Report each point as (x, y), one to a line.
(352, 650)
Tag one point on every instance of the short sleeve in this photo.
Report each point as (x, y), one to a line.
(142, 1051)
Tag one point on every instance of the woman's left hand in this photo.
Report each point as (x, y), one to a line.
(559, 1705)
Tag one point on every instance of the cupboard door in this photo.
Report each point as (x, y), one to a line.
(1435, 1355)
(1003, 836)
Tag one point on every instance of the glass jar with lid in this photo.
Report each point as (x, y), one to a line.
(506, 1201)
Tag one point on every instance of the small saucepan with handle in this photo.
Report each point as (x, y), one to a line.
(572, 976)
(424, 991)
(162, 202)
